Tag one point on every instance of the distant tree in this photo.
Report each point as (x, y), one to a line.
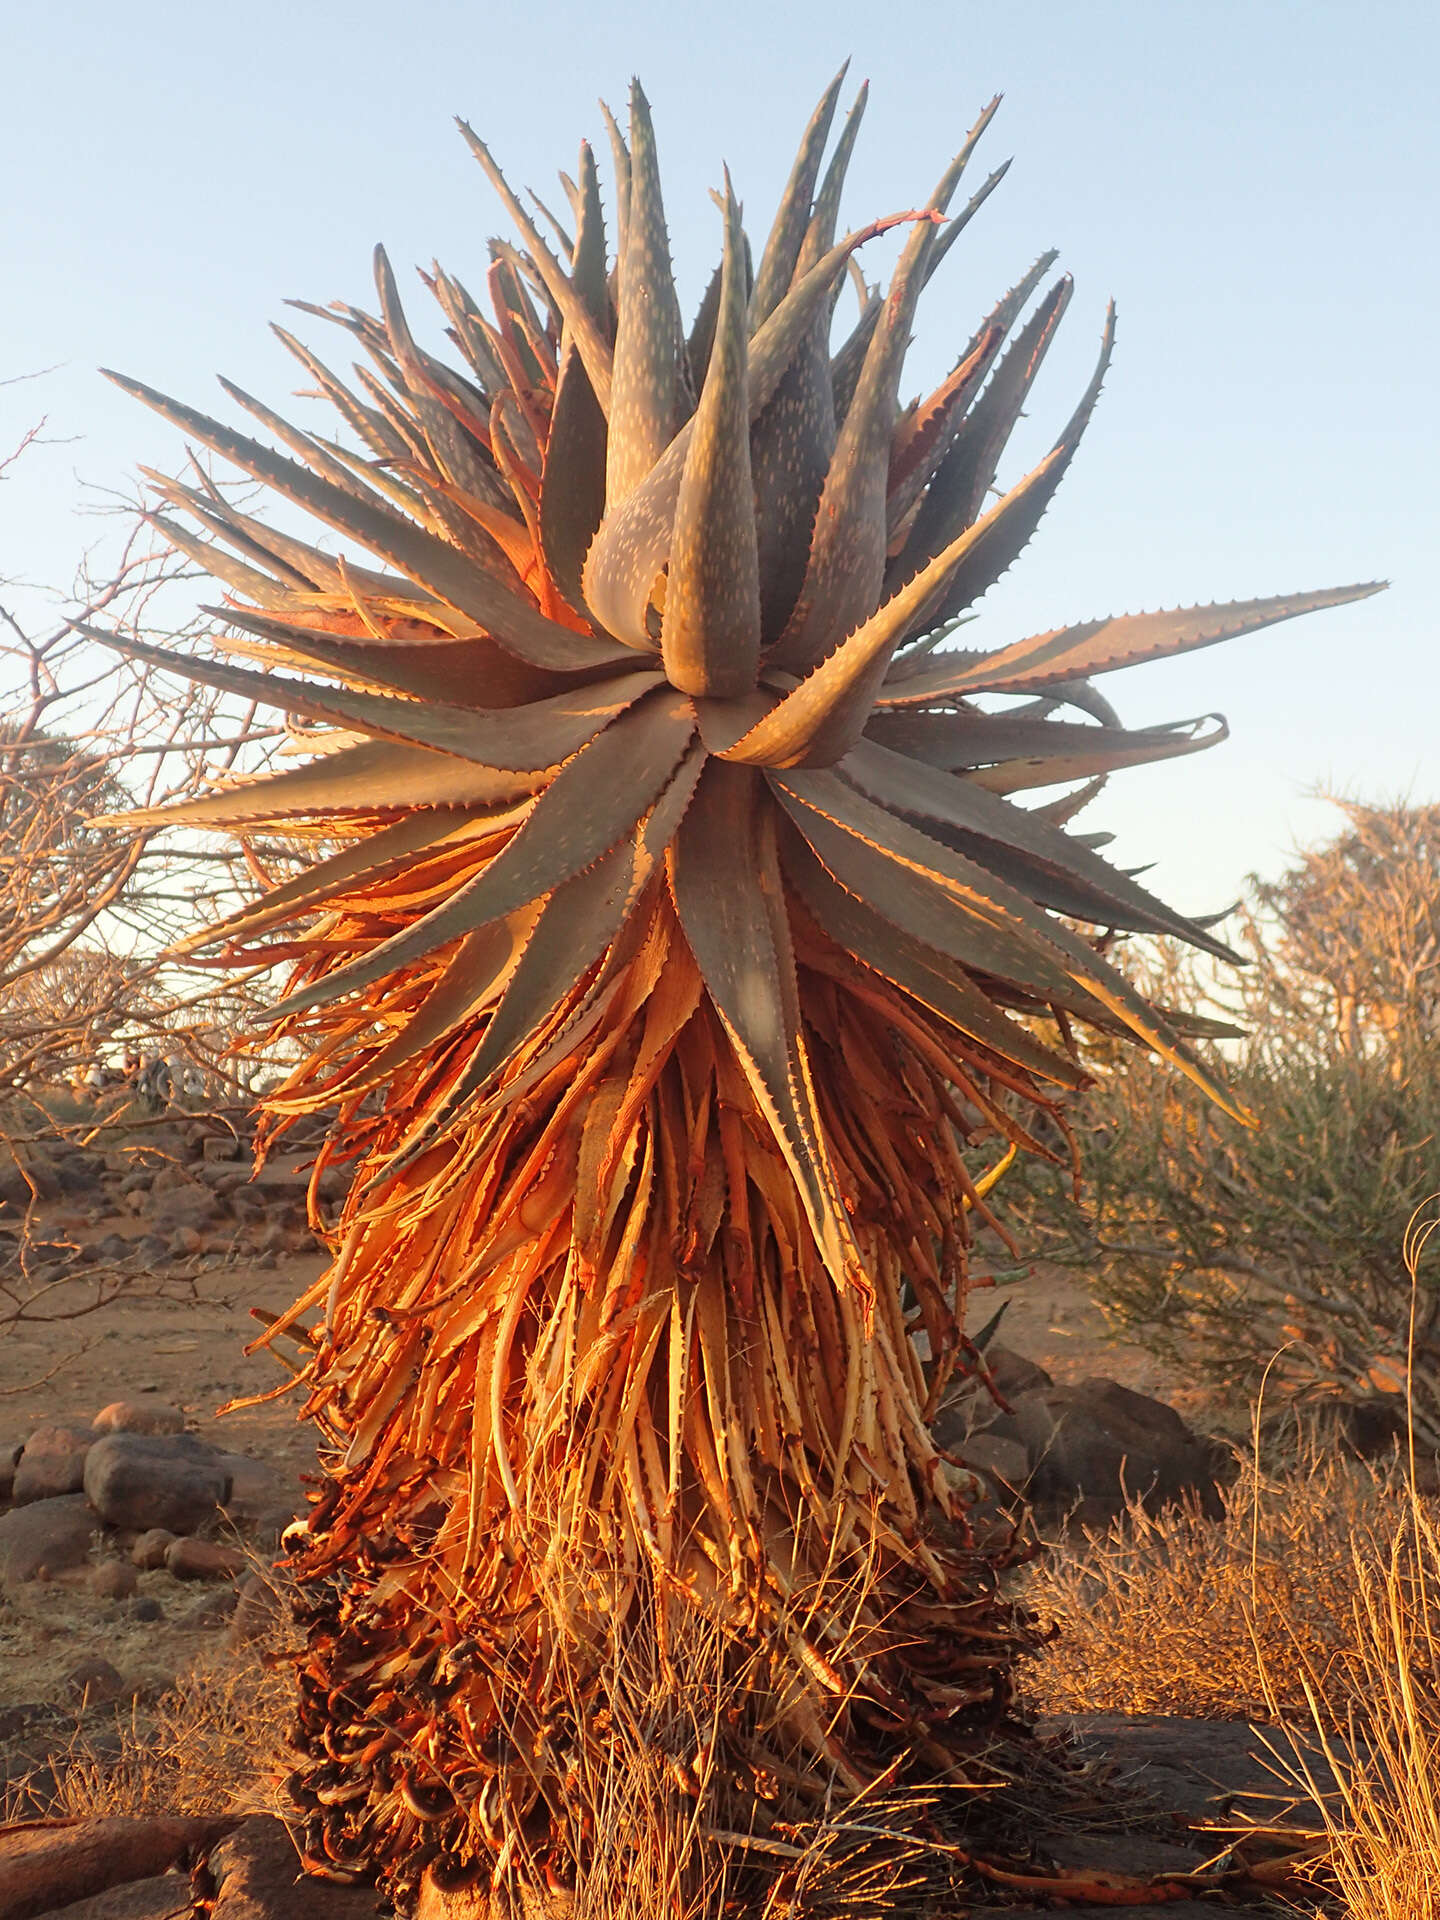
(1221, 1245)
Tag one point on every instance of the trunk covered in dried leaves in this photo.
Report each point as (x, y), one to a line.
(682, 974)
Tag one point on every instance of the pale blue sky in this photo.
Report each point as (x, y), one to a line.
(1256, 183)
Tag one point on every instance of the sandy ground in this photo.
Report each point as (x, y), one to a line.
(178, 1337)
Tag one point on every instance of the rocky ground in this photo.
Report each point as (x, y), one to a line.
(137, 1523)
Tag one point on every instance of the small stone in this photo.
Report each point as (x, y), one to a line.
(138, 1481)
(93, 1680)
(213, 1611)
(184, 1242)
(114, 1246)
(150, 1549)
(113, 1580)
(123, 1416)
(220, 1146)
(53, 1463)
(137, 1180)
(145, 1607)
(203, 1560)
(47, 1537)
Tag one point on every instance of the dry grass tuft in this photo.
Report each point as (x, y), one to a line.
(1241, 1618)
(213, 1742)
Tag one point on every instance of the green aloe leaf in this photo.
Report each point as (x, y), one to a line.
(430, 562)
(438, 668)
(907, 871)
(1010, 526)
(576, 925)
(633, 543)
(590, 805)
(1124, 640)
(724, 875)
(963, 480)
(583, 318)
(572, 490)
(372, 776)
(646, 399)
(710, 636)
(1048, 861)
(846, 566)
(1006, 755)
(525, 739)
(923, 971)
(375, 858)
(792, 219)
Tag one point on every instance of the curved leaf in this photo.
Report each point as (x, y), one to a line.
(710, 636)
(725, 879)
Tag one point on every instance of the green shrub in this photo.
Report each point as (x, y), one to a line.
(1221, 1245)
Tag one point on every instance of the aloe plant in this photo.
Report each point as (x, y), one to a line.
(681, 961)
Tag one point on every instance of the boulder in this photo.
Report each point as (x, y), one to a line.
(1098, 1441)
(128, 1416)
(203, 1560)
(52, 1463)
(257, 1876)
(255, 1490)
(172, 1207)
(113, 1580)
(1005, 1462)
(45, 1538)
(93, 1680)
(139, 1480)
(150, 1549)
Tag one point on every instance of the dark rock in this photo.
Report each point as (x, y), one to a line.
(80, 1172)
(23, 1181)
(114, 1246)
(254, 1488)
(113, 1580)
(172, 1207)
(92, 1680)
(257, 1872)
(9, 1460)
(138, 1180)
(124, 1416)
(1003, 1461)
(149, 1250)
(211, 1612)
(1098, 1440)
(150, 1549)
(164, 1898)
(141, 1480)
(258, 1610)
(1013, 1373)
(145, 1607)
(203, 1560)
(45, 1538)
(220, 1147)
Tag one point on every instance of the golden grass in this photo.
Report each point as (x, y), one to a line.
(214, 1742)
(1241, 1618)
